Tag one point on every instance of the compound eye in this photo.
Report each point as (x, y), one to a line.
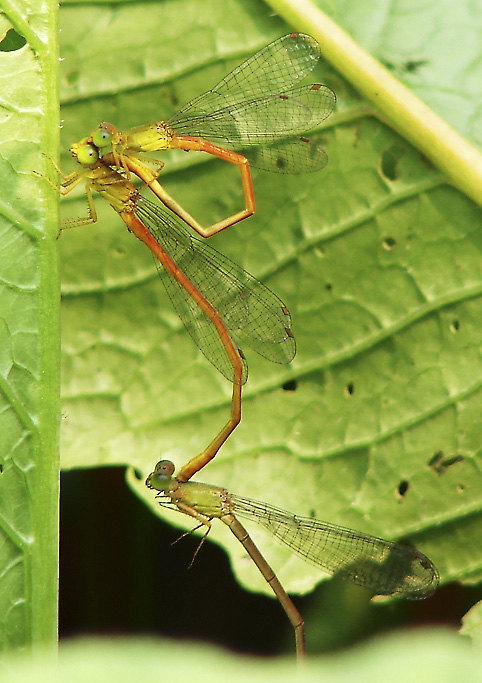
(86, 154)
(103, 135)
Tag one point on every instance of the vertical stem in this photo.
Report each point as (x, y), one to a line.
(45, 482)
(286, 603)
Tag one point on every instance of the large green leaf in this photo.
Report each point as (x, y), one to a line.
(29, 329)
(375, 425)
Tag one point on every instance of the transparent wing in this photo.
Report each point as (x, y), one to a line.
(385, 568)
(261, 120)
(275, 68)
(259, 103)
(251, 313)
(297, 155)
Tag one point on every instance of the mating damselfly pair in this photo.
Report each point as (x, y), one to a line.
(255, 116)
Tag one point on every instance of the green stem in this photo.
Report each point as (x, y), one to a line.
(45, 496)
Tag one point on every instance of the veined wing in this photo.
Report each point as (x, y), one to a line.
(251, 313)
(385, 568)
(274, 69)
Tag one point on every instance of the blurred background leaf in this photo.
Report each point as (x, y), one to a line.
(439, 654)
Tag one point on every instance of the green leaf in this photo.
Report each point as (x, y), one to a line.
(394, 103)
(29, 329)
(375, 425)
(472, 624)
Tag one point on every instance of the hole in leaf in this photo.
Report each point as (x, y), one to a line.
(390, 159)
(403, 487)
(12, 41)
(435, 459)
(440, 465)
(290, 385)
(455, 325)
(450, 462)
(350, 389)
(389, 243)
